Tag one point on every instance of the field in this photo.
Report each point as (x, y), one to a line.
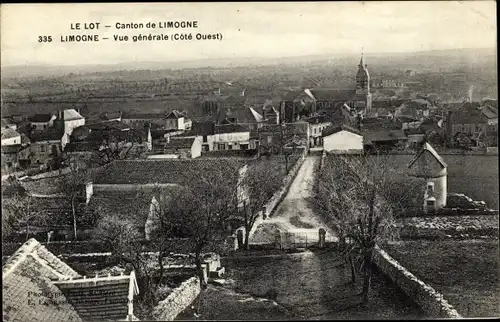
(315, 285)
(467, 273)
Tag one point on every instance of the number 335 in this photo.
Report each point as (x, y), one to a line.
(44, 38)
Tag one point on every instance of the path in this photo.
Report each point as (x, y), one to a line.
(294, 213)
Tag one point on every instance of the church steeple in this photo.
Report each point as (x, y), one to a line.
(362, 60)
(362, 77)
(363, 82)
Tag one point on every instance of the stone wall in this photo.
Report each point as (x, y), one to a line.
(177, 301)
(431, 302)
(278, 196)
(443, 227)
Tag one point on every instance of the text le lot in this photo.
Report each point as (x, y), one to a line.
(85, 26)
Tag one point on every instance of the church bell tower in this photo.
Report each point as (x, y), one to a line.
(363, 84)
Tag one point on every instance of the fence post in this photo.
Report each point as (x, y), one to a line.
(277, 238)
(322, 234)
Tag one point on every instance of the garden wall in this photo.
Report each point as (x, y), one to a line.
(270, 206)
(180, 298)
(231, 242)
(422, 294)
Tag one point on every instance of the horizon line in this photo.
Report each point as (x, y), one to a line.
(240, 57)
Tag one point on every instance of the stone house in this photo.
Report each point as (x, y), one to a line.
(316, 125)
(233, 137)
(428, 164)
(183, 147)
(176, 121)
(70, 119)
(45, 146)
(38, 286)
(274, 137)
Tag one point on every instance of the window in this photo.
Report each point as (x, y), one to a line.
(204, 139)
(221, 146)
(269, 139)
(430, 187)
(42, 148)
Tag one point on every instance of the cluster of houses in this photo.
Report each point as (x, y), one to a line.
(239, 125)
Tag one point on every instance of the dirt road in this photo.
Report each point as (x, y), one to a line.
(294, 214)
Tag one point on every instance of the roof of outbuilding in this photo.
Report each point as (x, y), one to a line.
(230, 128)
(174, 115)
(335, 129)
(180, 143)
(100, 299)
(71, 114)
(40, 118)
(427, 147)
(149, 171)
(28, 293)
(381, 136)
(332, 94)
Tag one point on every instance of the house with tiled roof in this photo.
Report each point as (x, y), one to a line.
(245, 116)
(70, 119)
(205, 130)
(177, 121)
(182, 148)
(272, 137)
(140, 120)
(102, 138)
(383, 139)
(45, 146)
(232, 137)
(38, 286)
(316, 125)
(342, 139)
(10, 159)
(270, 113)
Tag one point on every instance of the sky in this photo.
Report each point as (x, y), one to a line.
(259, 29)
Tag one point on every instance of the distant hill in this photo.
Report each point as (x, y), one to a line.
(429, 59)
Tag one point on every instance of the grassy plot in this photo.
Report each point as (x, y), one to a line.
(466, 272)
(316, 285)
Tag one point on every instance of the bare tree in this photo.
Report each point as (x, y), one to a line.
(356, 197)
(113, 148)
(204, 205)
(260, 182)
(18, 210)
(72, 185)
